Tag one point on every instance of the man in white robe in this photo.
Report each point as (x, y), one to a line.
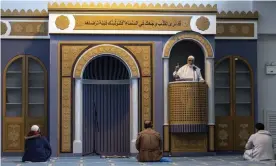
(188, 72)
(260, 145)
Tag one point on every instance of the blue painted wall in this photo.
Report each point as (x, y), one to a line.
(246, 49)
(159, 42)
(37, 48)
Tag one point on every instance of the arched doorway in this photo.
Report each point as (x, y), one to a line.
(106, 105)
(234, 103)
(129, 63)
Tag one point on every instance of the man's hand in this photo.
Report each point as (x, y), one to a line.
(176, 77)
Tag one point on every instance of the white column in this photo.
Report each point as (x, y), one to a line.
(166, 84)
(77, 144)
(209, 70)
(134, 98)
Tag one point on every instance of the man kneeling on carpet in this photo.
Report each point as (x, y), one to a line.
(37, 148)
(260, 145)
(149, 145)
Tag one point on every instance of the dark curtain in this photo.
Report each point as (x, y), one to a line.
(106, 118)
(106, 68)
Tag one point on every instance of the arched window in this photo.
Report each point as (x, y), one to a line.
(234, 103)
(24, 100)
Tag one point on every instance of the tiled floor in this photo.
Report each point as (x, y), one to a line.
(180, 161)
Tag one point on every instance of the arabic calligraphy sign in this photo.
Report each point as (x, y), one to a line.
(149, 23)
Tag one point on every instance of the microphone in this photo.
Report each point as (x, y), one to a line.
(194, 68)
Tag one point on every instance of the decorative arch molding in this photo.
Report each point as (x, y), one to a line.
(209, 79)
(113, 50)
(199, 39)
(78, 71)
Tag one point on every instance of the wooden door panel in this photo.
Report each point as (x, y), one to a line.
(23, 81)
(36, 95)
(13, 105)
(224, 134)
(244, 127)
(237, 125)
(13, 135)
(243, 97)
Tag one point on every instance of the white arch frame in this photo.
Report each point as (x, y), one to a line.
(209, 77)
(77, 143)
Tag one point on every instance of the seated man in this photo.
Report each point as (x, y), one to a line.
(260, 145)
(37, 148)
(149, 144)
(188, 72)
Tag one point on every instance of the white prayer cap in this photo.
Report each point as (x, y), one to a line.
(191, 57)
(34, 128)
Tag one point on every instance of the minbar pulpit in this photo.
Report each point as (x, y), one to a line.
(188, 104)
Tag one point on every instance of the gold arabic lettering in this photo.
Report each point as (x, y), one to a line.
(118, 22)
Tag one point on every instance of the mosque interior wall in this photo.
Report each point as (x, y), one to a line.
(257, 52)
(266, 55)
(266, 83)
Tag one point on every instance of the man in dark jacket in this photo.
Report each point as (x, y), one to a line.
(37, 148)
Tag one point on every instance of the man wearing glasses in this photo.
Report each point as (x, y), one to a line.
(188, 72)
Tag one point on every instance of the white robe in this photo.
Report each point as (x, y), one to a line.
(259, 147)
(187, 72)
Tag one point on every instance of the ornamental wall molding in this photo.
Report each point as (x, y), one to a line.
(24, 13)
(238, 15)
(33, 24)
(109, 49)
(135, 7)
(131, 7)
(192, 36)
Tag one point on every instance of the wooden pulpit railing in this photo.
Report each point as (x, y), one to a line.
(188, 104)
